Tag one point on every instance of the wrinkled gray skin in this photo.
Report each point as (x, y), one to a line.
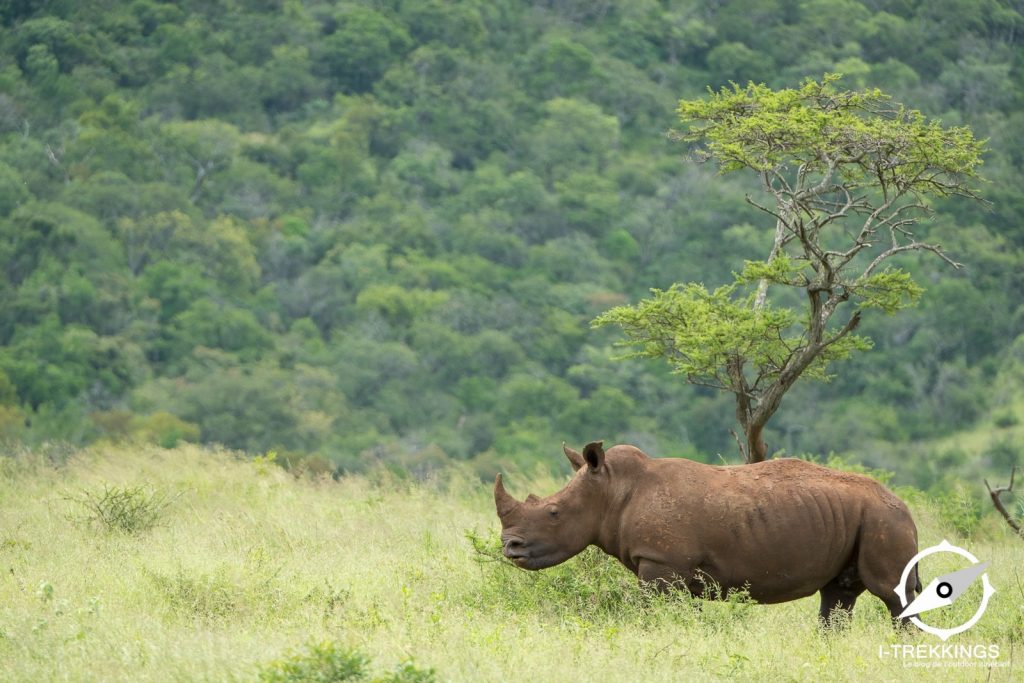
(783, 529)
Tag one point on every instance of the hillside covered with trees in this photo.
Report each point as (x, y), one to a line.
(363, 232)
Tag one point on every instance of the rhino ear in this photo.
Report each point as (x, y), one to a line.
(593, 453)
(575, 459)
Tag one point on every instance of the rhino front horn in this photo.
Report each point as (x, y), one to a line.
(502, 499)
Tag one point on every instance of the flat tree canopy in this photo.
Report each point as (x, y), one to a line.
(846, 175)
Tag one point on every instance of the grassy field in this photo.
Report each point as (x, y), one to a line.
(210, 567)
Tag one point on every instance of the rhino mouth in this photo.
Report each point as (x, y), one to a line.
(516, 550)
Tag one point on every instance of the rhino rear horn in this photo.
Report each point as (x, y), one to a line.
(503, 501)
(575, 459)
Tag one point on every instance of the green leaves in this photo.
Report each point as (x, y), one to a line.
(702, 333)
(891, 290)
(828, 159)
(781, 270)
(810, 129)
(710, 336)
(434, 197)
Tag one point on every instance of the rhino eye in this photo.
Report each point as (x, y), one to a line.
(552, 513)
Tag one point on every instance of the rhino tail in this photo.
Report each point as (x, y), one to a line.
(917, 578)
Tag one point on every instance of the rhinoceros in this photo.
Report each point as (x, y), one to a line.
(781, 529)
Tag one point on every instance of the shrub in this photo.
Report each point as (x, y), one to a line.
(839, 462)
(329, 662)
(1003, 454)
(592, 585)
(204, 596)
(325, 662)
(126, 509)
(407, 672)
(1007, 419)
(960, 510)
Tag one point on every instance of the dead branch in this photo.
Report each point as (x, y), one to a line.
(55, 157)
(739, 445)
(998, 503)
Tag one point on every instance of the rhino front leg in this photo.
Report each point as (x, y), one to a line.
(661, 577)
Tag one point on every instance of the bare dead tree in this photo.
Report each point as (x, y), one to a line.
(996, 495)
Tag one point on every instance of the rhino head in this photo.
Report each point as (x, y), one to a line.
(542, 532)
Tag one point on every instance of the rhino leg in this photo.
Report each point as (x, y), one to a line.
(881, 562)
(838, 597)
(660, 577)
(892, 602)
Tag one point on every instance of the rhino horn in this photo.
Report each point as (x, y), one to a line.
(502, 499)
(575, 459)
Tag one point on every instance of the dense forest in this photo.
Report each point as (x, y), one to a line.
(378, 231)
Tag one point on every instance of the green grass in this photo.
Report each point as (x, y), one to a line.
(249, 574)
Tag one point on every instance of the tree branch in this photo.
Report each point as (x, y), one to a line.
(998, 503)
(912, 246)
(849, 327)
(739, 445)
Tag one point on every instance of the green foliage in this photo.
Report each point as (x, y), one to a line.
(330, 662)
(595, 589)
(360, 48)
(325, 662)
(960, 511)
(165, 429)
(1006, 418)
(700, 333)
(297, 578)
(817, 125)
(838, 462)
(889, 290)
(407, 672)
(199, 596)
(124, 509)
(592, 586)
(826, 158)
(339, 229)
(13, 192)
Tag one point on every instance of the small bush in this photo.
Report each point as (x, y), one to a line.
(321, 663)
(408, 672)
(330, 599)
(1003, 454)
(203, 596)
(126, 509)
(329, 662)
(591, 585)
(960, 510)
(1007, 419)
(842, 463)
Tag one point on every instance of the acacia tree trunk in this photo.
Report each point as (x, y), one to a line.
(754, 409)
(757, 449)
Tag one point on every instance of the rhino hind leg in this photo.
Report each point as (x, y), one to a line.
(881, 568)
(838, 597)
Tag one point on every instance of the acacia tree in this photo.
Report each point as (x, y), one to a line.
(846, 176)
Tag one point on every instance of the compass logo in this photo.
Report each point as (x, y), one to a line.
(944, 590)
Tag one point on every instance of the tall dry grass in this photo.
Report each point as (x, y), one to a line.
(247, 571)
